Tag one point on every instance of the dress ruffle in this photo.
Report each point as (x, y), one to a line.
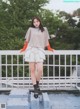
(34, 54)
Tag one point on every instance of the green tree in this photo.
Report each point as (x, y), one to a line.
(68, 37)
(77, 12)
(52, 22)
(15, 17)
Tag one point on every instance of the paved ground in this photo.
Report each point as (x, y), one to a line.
(65, 100)
(60, 100)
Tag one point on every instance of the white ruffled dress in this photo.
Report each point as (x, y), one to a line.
(34, 54)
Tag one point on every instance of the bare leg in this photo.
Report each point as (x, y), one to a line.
(32, 71)
(39, 66)
(32, 66)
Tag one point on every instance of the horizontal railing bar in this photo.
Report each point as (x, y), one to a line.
(44, 65)
(56, 52)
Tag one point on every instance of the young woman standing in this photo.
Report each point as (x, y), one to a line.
(37, 38)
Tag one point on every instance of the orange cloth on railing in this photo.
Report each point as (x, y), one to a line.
(49, 48)
(24, 47)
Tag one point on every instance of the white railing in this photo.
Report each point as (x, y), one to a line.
(61, 70)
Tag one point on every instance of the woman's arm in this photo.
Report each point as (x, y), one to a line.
(24, 47)
(27, 37)
(49, 47)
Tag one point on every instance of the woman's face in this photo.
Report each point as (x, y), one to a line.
(36, 23)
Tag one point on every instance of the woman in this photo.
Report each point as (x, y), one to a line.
(36, 40)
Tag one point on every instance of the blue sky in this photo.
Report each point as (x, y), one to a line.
(62, 6)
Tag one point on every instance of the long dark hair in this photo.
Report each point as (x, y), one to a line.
(40, 26)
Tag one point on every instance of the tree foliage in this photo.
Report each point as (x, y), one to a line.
(15, 18)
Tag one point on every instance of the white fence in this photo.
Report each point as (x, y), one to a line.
(61, 70)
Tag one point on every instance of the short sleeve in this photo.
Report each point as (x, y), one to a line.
(27, 36)
(47, 33)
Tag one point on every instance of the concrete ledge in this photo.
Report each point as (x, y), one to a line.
(22, 99)
(46, 101)
(19, 93)
(17, 103)
(34, 102)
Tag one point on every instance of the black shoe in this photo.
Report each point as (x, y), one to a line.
(38, 88)
(35, 93)
(39, 91)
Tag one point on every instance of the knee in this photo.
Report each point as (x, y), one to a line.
(40, 70)
(32, 70)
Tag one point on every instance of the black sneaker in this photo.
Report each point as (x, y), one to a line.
(38, 88)
(36, 93)
(39, 91)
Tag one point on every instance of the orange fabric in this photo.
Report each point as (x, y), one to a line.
(49, 48)
(24, 47)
